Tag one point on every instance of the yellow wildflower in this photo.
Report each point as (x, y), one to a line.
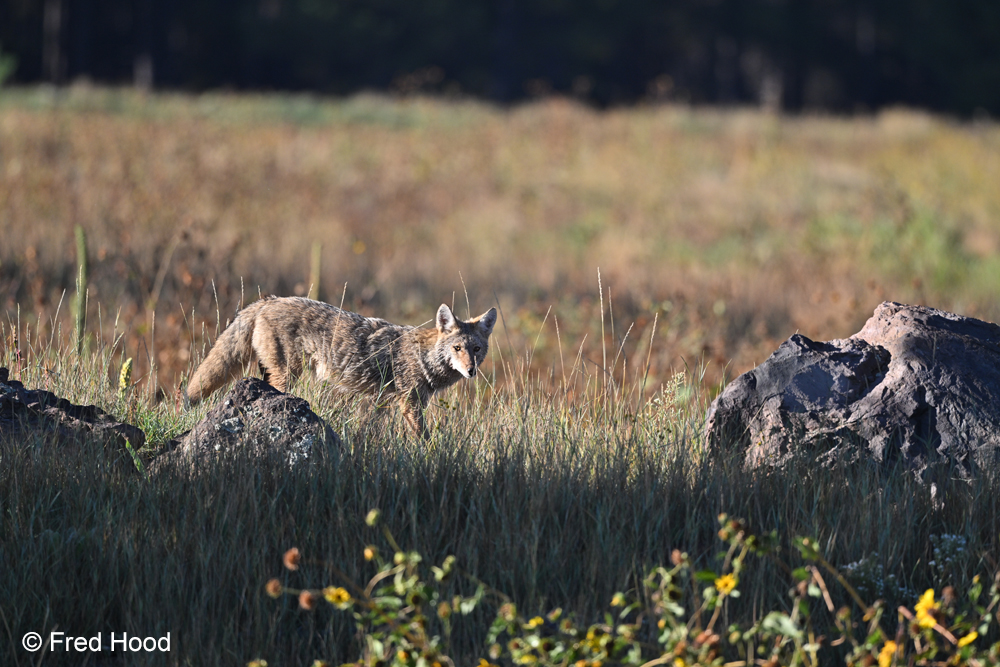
(337, 596)
(618, 600)
(125, 377)
(968, 639)
(924, 607)
(725, 584)
(535, 622)
(887, 653)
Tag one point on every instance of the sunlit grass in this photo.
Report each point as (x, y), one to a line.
(736, 228)
(575, 461)
(557, 493)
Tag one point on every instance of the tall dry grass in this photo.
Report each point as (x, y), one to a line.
(574, 462)
(555, 497)
(737, 228)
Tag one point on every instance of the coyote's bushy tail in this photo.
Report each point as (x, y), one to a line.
(227, 358)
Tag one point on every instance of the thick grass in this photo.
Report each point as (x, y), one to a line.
(555, 497)
(736, 227)
(575, 461)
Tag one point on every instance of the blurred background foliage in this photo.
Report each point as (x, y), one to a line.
(717, 233)
(942, 55)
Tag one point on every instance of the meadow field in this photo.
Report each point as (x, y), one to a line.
(639, 258)
(734, 228)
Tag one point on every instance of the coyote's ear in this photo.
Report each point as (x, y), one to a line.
(445, 319)
(487, 320)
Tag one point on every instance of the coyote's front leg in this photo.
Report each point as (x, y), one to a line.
(412, 407)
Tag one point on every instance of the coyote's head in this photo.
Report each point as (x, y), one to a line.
(464, 343)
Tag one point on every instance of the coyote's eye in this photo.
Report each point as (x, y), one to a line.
(458, 348)
(476, 349)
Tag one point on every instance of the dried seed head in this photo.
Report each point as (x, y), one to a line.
(291, 558)
(273, 588)
(507, 612)
(307, 600)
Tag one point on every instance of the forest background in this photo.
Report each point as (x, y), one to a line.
(788, 54)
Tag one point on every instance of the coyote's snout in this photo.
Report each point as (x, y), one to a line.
(360, 354)
(465, 358)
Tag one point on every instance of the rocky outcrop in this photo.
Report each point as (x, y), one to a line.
(256, 419)
(35, 413)
(915, 384)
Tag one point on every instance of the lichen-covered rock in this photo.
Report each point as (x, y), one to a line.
(35, 413)
(916, 384)
(253, 418)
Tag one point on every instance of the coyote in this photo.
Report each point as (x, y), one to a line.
(360, 354)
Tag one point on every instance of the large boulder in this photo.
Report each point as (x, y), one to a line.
(36, 413)
(915, 384)
(253, 419)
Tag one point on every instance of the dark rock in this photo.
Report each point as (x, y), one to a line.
(253, 418)
(915, 384)
(35, 411)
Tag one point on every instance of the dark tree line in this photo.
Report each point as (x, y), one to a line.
(796, 54)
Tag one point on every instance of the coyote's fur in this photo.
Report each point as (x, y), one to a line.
(358, 354)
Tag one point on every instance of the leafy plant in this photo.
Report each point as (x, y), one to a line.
(400, 614)
(675, 619)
